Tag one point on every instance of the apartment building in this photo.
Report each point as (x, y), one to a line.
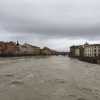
(92, 50)
(86, 50)
(76, 51)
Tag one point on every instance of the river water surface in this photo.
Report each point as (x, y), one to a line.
(48, 78)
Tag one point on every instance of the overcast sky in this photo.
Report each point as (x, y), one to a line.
(53, 23)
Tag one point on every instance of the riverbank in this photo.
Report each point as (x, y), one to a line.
(93, 60)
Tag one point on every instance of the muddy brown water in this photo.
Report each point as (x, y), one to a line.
(48, 78)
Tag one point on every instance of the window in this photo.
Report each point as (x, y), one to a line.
(94, 50)
(95, 54)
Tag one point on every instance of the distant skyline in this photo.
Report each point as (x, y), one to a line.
(57, 24)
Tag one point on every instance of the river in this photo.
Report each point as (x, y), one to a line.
(48, 78)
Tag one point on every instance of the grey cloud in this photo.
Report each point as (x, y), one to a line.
(47, 19)
(61, 17)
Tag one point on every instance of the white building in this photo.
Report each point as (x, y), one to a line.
(77, 51)
(28, 49)
(92, 50)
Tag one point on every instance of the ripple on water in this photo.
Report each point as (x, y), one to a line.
(86, 90)
(9, 75)
(72, 95)
(81, 98)
(17, 82)
(75, 97)
(62, 81)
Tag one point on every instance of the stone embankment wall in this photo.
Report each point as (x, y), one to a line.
(94, 60)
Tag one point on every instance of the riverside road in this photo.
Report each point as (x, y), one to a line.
(48, 78)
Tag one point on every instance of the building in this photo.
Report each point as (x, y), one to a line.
(8, 48)
(72, 51)
(92, 50)
(27, 49)
(76, 51)
(15, 49)
(46, 51)
(86, 52)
